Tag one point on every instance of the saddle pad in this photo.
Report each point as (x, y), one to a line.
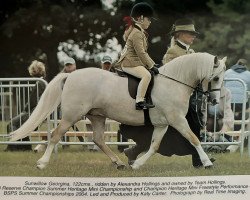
(133, 83)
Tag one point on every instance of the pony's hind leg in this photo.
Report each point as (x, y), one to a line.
(155, 143)
(56, 135)
(98, 125)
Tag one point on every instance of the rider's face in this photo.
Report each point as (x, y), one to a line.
(145, 22)
(187, 38)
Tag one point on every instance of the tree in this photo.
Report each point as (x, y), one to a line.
(40, 29)
(228, 34)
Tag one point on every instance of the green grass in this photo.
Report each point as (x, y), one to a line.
(77, 162)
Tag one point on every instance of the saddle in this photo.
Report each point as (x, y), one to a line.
(133, 83)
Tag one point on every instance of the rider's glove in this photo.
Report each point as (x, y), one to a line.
(155, 69)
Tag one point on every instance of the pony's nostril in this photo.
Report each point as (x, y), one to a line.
(214, 102)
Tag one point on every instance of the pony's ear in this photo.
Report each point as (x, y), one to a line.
(216, 62)
(224, 59)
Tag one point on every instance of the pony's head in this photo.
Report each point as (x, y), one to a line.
(214, 83)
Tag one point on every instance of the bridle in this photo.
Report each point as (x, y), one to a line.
(209, 89)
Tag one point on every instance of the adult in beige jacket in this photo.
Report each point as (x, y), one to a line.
(134, 58)
(183, 35)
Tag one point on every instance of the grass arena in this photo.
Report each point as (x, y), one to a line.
(76, 161)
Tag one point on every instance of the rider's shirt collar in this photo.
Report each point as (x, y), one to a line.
(137, 26)
(182, 45)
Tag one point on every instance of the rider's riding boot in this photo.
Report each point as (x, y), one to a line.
(132, 153)
(142, 105)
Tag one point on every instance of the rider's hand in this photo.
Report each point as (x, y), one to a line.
(155, 69)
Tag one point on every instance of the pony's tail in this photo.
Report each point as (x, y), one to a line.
(48, 102)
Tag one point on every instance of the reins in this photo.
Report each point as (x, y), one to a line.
(194, 88)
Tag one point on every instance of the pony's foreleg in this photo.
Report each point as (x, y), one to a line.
(185, 130)
(155, 143)
(98, 125)
(56, 135)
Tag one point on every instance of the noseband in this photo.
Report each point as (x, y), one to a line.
(212, 90)
(209, 95)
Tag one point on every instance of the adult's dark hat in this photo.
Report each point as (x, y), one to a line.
(184, 25)
(142, 9)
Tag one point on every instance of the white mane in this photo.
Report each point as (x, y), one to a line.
(195, 65)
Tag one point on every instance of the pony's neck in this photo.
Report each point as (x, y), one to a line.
(190, 69)
(185, 74)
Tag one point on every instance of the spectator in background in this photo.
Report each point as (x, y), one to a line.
(106, 64)
(69, 65)
(36, 70)
(240, 71)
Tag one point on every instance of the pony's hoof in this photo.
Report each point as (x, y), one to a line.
(135, 166)
(212, 160)
(209, 167)
(131, 162)
(119, 165)
(208, 163)
(40, 165)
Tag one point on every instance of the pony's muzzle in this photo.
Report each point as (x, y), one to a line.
(214, 102)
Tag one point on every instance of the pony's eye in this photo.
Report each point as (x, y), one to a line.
(216, 78)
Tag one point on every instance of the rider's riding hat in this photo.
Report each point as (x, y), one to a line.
(184, 25)
(143, 9)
